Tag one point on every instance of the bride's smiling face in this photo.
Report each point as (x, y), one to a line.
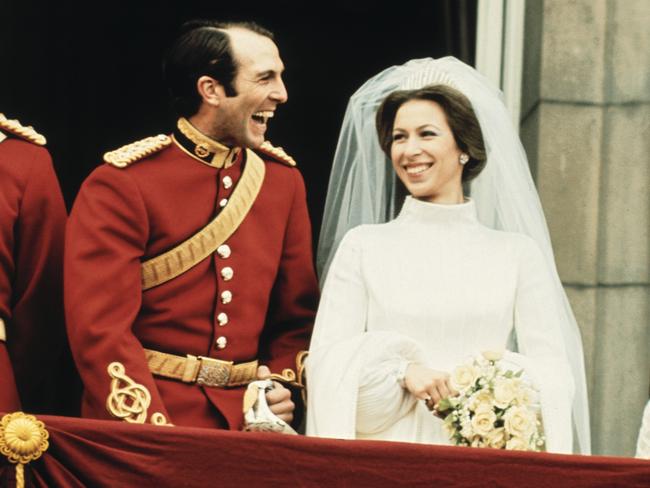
(424, 153)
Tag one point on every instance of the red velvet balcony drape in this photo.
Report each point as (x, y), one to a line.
(113, 454)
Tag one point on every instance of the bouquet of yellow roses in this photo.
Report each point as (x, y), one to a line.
(495, 407)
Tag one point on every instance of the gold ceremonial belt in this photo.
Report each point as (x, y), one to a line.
(201, 370)
(3, 331)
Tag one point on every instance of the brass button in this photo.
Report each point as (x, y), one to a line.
(222, 318)
(227, 182)
(223, 202)
(224, 251)
(221, 342)
(227, 273)
(226, 296)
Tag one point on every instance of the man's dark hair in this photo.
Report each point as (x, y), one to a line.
(202, 47)
(460, 116)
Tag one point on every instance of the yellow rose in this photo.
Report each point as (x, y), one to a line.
(517, 444)
(483, 422)
(505, 391)
(463, 377)
(481, 400)
(497, 438)
(519, 422)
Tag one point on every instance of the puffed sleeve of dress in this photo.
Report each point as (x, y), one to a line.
(537, 321)
(353, 373)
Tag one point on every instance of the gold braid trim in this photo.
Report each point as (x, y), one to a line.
(24, 132)
(3, 331)
(204, 144)
(301, 357)
(289, 376)
(127, 400)
(135, 151)
(23, 438)
(277, 153)
(191, 252)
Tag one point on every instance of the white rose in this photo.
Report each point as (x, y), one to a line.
(467, 431)
(497, 438)
(483, 422)
(463, 377)
(492, 355)
(481, 400)
(519, 422)
(478, 441)
(517, 444)
(505, 392)
(526, 396)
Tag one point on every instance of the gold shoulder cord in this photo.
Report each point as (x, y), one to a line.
(126, 155)
(24, 132)
(23, 438)
(189, 253)
(277, 153)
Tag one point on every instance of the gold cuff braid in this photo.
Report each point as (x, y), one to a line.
(129, 400)
(290, 376)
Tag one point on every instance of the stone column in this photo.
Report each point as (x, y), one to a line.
(586, 128)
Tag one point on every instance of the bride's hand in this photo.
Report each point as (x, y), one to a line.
(428, 384)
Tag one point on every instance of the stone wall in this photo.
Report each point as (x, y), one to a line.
(586, 128)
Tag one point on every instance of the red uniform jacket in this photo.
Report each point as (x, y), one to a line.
(32, 225)
(124, 216)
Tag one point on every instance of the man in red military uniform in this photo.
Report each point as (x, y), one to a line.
(188, 257)
(32, 225)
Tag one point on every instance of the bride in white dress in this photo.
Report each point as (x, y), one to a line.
(407, 301)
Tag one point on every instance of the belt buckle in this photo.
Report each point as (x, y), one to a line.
(213, 372)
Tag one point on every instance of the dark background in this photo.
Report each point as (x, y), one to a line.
(87, 75)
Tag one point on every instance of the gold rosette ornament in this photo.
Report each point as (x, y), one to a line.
(23, 438)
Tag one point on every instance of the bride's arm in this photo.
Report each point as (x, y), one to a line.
(539, 338)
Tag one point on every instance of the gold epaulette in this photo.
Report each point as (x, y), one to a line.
(135, 151)
(24, 132)
(276, 153)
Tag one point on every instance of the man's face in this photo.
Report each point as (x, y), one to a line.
(258, 83)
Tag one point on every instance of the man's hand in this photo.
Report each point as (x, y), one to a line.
(279, 398)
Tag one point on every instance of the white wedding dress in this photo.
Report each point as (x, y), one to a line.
(433, 286)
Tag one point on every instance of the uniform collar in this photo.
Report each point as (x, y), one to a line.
(201, 147)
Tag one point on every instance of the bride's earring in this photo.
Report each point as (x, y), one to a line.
(464, 158)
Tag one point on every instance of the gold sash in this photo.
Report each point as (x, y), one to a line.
(189, 253)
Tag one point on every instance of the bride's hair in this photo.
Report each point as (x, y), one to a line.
(460, 117)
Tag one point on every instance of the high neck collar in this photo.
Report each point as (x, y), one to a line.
(203, 148)
(419, 211)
